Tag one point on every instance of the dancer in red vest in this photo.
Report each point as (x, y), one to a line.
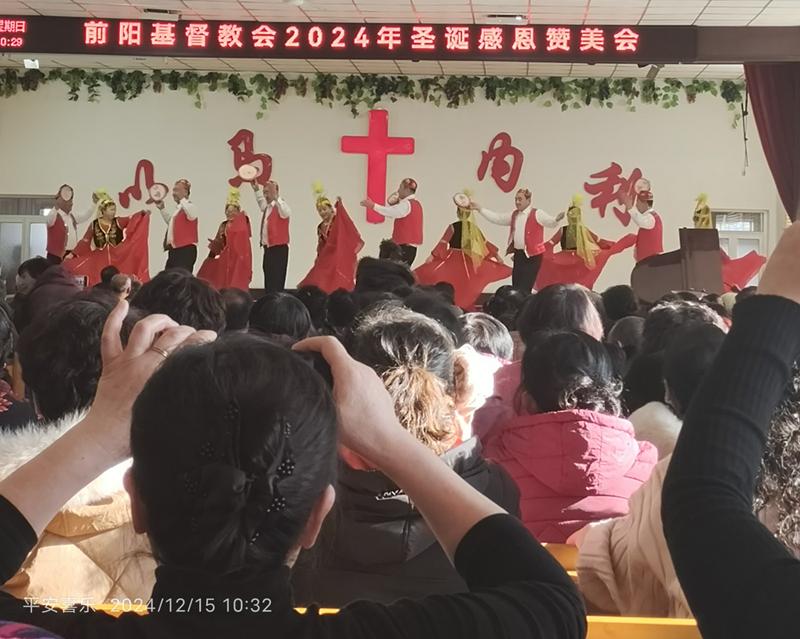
(230, 259)
(649, 240)
(274, 235)
(525, 237)
(180, 242)
(62, 225)
(407, 214)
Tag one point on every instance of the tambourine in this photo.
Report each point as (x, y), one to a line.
(642, 184)
(158, 192)
(462, 200)
(250, 172)
(66, 193)
(393, 199)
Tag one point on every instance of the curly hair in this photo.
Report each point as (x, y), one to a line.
(414, 356)
(778, 488)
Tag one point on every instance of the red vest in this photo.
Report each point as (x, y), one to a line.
(408, 229)
(534, 234)
(649, 241)
(277, 228)
(57, 237)
(184, 230)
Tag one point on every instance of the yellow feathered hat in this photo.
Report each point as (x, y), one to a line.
(319, 194)
(702, 213)
(234, 198)
(103, 200)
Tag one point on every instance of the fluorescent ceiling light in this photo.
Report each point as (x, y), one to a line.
(31, 63)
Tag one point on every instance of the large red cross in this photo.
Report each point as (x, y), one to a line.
(377, 146)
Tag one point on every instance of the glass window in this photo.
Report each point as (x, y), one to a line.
(743, 222)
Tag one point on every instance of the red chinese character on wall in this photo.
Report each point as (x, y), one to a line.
(130, 34)
(264, 37)
(504, 173)
(558, 38)
(197, 35)
(490, 39)
(20, 26)
(423, 38)
(230, 36)
(457, 38)
(163, 34)
(389, 37)
(626, 40)
(593, 39)
(524, 39)
(243, 148)
(612, 188)
(95, 32)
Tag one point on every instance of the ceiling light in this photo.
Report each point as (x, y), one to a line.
(504, 18)
(295, 3)
(161, 14)
(31, 63)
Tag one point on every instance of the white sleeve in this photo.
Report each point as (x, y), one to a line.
(545, 219)
(283, 208)
(401, 209)
(191, 209)
(261, 200)
(165, 214)
(643, 220)
(503, 219)
(50, 218)
(83, 216)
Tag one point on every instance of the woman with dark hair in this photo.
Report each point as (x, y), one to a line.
(234, 453)
(316, 301)
(572, 455)
(567, 307)
(281, 315)
(14, 412)
(378, 546)
(89, 550)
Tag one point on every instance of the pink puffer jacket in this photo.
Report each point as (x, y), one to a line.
(572, 467)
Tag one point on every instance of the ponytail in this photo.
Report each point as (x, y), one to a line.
(423, 406)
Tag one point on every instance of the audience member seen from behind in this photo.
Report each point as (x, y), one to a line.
(27, 274)
(53, 286)
(232, 476)
(14, 412)
(281, 315)
(487, 335)
(626, 334)
(619, 302)
(121, 286)
(382, 276)
(377, 545)
(315, 300)
(573, 457)
(179, 295)
(237, 308)
(644, 380)
(753, 587)
(90, 549)
(107, 273)
(556, 307)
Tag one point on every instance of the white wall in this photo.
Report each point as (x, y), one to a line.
(47, 140)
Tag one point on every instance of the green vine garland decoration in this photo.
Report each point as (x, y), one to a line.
(362, 92)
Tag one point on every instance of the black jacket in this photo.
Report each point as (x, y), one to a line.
(377, 546)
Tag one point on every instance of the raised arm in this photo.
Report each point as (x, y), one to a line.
(283, 208)
(503, 219)
(643, 220)
(518, 589)
(189, 208)
(101, 440)
(261, 199)
(85, 215)
(51, 216)
(738, 579)
(545, 219)
(394, 211)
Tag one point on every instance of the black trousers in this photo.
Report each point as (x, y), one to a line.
(523, 275)
(53, 259)
(183, 257)
(409, 253)
(276, 259)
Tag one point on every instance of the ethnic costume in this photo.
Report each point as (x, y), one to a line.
(230, 259)
(464, 259)
(338, 244)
